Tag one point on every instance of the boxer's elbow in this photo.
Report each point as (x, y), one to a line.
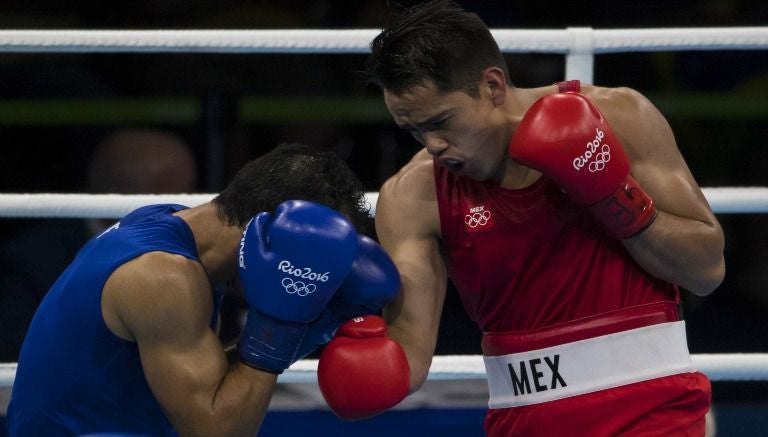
(695, 263)
(419, 365)
(418, 351)
(712, 270)
(708, 279)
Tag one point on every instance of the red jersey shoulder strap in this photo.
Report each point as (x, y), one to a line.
(569, 85)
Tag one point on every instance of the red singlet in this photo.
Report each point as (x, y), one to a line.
(531, 259)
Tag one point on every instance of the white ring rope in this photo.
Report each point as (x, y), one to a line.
(88, 205)
(357, 40)
(724, 200)
(718, 367)
(578, 44)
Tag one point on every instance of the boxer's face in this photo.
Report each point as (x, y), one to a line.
(465, 134)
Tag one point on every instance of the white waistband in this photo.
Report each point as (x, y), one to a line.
(586, 366)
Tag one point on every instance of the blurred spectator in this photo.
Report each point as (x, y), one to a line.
(130, 161)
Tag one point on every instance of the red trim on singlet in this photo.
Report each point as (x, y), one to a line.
(502, 343)
(569, 85)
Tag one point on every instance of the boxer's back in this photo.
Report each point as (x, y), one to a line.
(69, 353)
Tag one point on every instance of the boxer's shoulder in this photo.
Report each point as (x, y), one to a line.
(631, 114)
(615, 102)
(410, 197)
(158, 268)
(153, 283)
(415, 181)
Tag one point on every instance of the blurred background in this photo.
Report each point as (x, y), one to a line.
(212, 112)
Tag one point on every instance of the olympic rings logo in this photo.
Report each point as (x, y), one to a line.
(600, 159)
(298, 287)
(477, 219)
(594, 149)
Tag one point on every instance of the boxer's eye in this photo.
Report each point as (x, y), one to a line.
(438, 123)
(417, 135)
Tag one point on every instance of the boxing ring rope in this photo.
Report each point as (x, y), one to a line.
(718, 367)
(579, 45)
(723, 200)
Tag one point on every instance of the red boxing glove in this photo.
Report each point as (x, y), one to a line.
(362, 372)
(567, 138)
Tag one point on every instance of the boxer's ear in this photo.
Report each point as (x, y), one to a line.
(494, 83)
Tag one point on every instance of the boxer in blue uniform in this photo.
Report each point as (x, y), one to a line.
(125, 341)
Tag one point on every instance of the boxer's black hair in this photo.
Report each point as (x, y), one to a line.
(434, 41)
(293, 171)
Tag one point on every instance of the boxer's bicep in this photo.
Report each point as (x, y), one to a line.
(168, 315)
(656, 161)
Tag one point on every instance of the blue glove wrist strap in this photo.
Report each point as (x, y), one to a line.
(269, 344)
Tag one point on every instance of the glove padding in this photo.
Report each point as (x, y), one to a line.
(567, 138)
(371, 284)
(290, 267)
(362, 372)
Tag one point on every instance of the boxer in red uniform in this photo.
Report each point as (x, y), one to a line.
(568, 221)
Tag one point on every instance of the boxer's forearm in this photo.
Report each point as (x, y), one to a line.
(683, 251)
(239, 404)
(414, 316)
(418, 356)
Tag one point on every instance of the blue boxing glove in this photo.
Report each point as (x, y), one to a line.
(373, 282)
(290, 266)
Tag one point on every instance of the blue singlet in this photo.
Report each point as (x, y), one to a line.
(74, 375)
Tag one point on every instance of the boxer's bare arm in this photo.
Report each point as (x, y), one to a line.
(163, 302)
(685, 243)
(408, 227)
